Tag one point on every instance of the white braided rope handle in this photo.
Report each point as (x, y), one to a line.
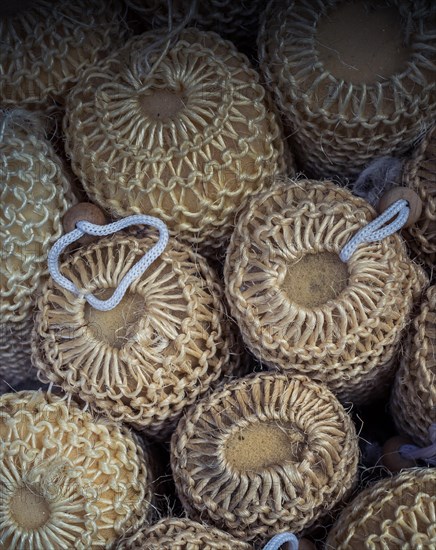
(377, 230)
(103, 230)
(276, 542)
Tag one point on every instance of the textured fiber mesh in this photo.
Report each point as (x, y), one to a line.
(267, 453)
(338, 126)
(181, 534)
(68, 479)
(46, 47)
(414, 395)
(185, 140)
(394, 513)
(162, 347)
(283, 285)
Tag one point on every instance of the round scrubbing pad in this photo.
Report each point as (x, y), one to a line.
(267, 453)
(68, 480)
(354, 80)
(299, 307)
(185, 140)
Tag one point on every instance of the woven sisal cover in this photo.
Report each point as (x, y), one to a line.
(394, 514)
(181, 534)
(265, 454)
(45, 48)
(413, 399)
(299, 307)
(420, 175)
(354, 80)
(161, 348)
(185, 142)
(68, 480)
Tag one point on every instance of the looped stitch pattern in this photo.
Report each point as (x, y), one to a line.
(137, 270)
(276, 542)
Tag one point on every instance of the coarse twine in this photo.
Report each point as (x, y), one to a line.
(413, 400)
(45, 48)
(181, 534)
(353, 80)
(300, 308)
(184, 138)
(163, 346)
(398, 512)
(265, 454)
(69, 480)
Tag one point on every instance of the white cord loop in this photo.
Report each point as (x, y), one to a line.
(276, 542)
(102, 230)
(377, 230)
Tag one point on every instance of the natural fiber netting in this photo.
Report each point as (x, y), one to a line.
(299, 307)
(398, 512)
(354, 80)
(265, 454)
(185, 140)
(181, 534)
(35, 193)
(420, 175)
(164, 345)
(68, 480)
(413, 400)
(45, 47)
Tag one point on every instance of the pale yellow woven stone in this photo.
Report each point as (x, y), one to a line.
(299, 308)
(185, 139)
(46, 47)
(395, 513)
(413, 400)
(181, 534)
(265, 454)
(68, 480)
(350, 95)
(161, 348)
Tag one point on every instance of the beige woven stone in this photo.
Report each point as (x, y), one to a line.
(267, 453)
(162, 347)
(395, 513)
(68, 480)
(300, 308)
(353, 80)
(413, 399)
(46, 47)
(181, 534)
(185, 139)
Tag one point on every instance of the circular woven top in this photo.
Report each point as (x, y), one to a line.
(299, 307)
(68, 480)
(46, 47)
(398, 512)
(265, 454)
(414, 394)
(354, 80)
(181, 534)
(164, 345)
(35, 194)
(185, 141)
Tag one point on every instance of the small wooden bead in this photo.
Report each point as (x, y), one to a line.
(83, 211)
(409, 195)
(391, 457)
(305, 544)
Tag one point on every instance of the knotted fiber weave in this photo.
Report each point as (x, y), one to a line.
(46, 47)
(181, 534)
(398, 512)
(68, 480)
(299, 307)
(185, 139)
(413, 400)
(265, 454)
(15, 351)
(353, 80)
(163, 346)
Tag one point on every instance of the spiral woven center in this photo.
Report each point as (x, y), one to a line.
(161, 104)
(29, 509)
(360, 44)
